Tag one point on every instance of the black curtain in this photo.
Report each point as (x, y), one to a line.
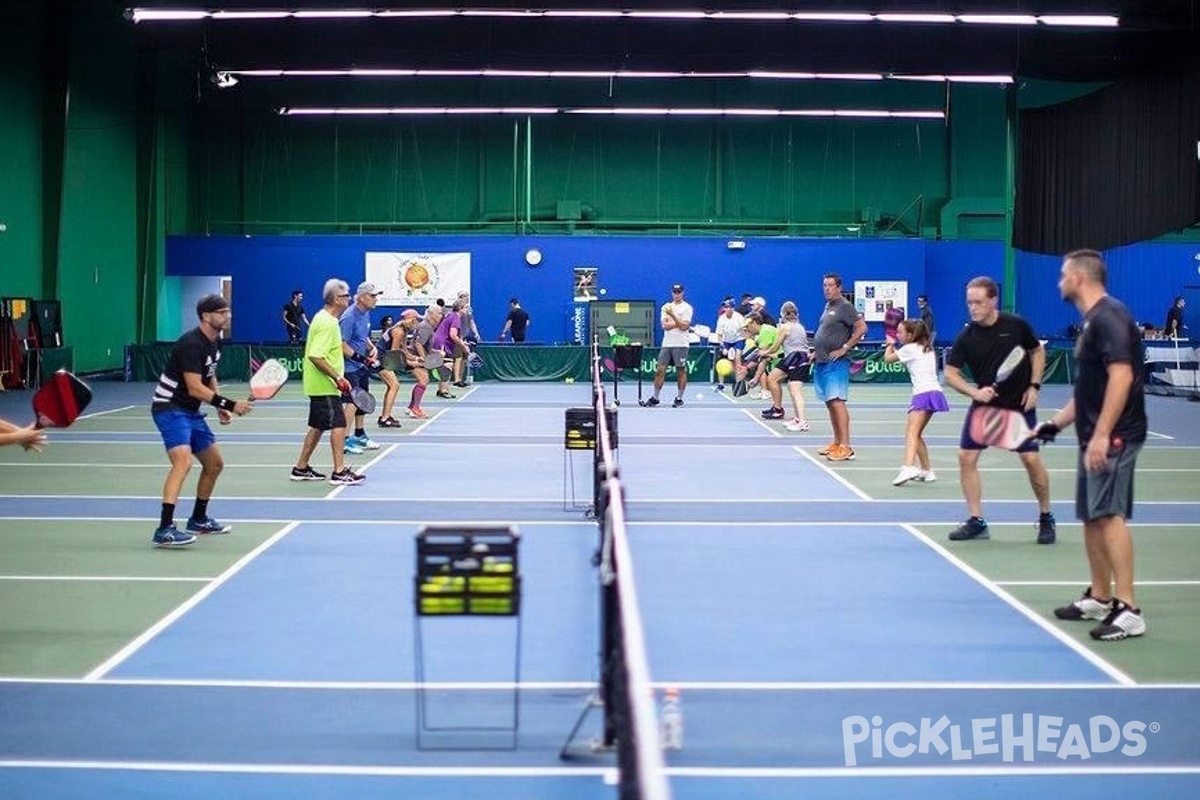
(1117, 166)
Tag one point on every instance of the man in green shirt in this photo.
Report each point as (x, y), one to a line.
(325, 385)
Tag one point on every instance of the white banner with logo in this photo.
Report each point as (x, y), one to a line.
(419, 279)
(873, 299)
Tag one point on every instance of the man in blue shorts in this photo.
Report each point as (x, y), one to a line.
(1109, 412)
(982, 347)
(189, 379)
(837, 334)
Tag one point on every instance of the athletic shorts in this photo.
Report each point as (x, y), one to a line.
(179, 427)
(965, 442)
(359, 379)
(673, 355)
(325, 412)
(831, 380)
(1108, 493)
(795, 366)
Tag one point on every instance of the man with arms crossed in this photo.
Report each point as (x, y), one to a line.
(676, 318)
(840, 330)
(1109, 412)
(982, 346)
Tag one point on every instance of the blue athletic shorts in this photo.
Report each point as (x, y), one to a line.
(179, 427)
(831, 380)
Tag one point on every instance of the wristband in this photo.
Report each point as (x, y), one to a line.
(357, 358)
(223, 403)
(1036, 385)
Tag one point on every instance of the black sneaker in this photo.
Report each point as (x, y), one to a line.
(650, 402)
(1086, 607)
(445, 395)
(973, 528)
(306, 474)
(677, 403)
(773, 413)
(389, 422)
(1122, 622)
(1047, 530)
(347, 477)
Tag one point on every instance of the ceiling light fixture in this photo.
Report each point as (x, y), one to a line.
(627, 111)
(399, 72)
(196, 15)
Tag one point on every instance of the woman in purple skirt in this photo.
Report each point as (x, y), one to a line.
(917, 355)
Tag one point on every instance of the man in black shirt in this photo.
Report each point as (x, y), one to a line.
(189, 379)
(1173, 329)
(927, 317)
(516, 322)
(981, 347)
(293, 315)
(1109, 412)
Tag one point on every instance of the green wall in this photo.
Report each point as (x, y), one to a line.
(21, 253)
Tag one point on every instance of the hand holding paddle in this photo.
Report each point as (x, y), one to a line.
(57, 404)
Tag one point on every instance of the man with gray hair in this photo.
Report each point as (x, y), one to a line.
(325, 385)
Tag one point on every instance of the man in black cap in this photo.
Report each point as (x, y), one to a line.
(676, 318)
(189, 379)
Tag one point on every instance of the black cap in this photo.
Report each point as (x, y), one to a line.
(678, 287)
(210, 303)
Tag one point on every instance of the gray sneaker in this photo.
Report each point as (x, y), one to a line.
(1086, 607)
(1122, 622)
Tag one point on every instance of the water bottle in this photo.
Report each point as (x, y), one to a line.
(671, 720)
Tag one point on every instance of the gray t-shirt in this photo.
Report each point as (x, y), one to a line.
(837, 323)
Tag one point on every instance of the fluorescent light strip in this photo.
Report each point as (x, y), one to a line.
(618, 111)
(195, 15)
(603, 74)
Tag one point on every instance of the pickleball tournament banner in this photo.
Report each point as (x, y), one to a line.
(418, 279)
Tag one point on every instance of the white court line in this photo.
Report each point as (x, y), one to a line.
(573, 686)
(313, 769)
(102, 413)
(1079, 648)
(855, 523)
(558, 499)
(102, 578)
(128, 650)
(366, 686)
(337, 491)
(859, 493)
(1072, 470)
(859, 773)
(1083, 581)
(267, 521)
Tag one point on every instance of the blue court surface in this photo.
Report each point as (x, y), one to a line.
(826, 640)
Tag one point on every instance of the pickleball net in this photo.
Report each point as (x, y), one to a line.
(626, 690)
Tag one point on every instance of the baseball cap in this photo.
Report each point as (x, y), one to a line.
(759, 301)
(366, 287)
(409, 313)
(678, 287)
(210, 303)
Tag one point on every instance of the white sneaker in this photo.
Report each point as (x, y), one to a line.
(926, 476)
(797, 425)
(367, 443)
(906, 474)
